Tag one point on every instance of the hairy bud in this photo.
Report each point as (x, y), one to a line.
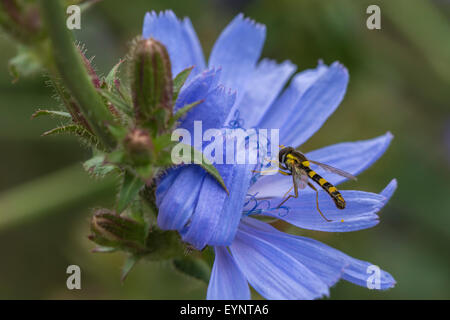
(151, 83)
(111, 230)
(139, 146)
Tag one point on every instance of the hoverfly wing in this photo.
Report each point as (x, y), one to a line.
(334, 170)
(301, 179)
(304, 179)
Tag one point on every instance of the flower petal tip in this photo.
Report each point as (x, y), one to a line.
(250, 21)
(389, 190)
(340, 67)
(389, 135)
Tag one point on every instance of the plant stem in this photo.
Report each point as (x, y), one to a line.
(72, 71)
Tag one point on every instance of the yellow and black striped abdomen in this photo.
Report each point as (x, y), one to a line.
(328, 187)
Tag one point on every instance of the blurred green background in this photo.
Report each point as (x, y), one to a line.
(399, 82)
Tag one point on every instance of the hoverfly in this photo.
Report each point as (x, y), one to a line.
(295, 164)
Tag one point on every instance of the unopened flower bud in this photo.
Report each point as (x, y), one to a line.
(151, 83)
(111, 230)
(114, 231)
(139, 146)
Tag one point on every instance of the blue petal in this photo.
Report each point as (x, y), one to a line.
(212, 112)
(273, 272)
(195, 46)
(231, 213)
(165, 182)
(354, 270)
(178, 37)
(179, 202)
(227, 282)
(237, 50)
(315, 106)
(389, 190)
(316, 256)
(358, 272)
(353, 157)
(359, 213)
(208, 209)
(286, 105)
(262, 89)
(197, 89)
(217, 215)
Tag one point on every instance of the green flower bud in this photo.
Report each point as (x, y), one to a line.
(151, 84)
(114, 231)
(139, 147)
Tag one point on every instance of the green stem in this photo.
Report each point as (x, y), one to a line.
(72, 71)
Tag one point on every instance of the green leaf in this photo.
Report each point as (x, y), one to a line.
(79, 131)
(193, 267)
(145, 171)
(112, 75)
(182, 111)
(179, 81)
(52, 113)
(116, 156)
(117, 101)
(206, 165)
(97, 167)
(130, 189)
(130, 262)
(24, 64)
(118, 132)
(162, 141)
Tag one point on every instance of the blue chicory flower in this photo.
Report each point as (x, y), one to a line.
(277, 265)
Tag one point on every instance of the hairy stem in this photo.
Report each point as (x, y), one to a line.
(70, 68)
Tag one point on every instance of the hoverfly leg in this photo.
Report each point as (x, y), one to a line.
(291, 195)
(282, 166)
(317, 202)
(288, 192)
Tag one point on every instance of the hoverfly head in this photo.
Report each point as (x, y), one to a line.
(283, 153)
